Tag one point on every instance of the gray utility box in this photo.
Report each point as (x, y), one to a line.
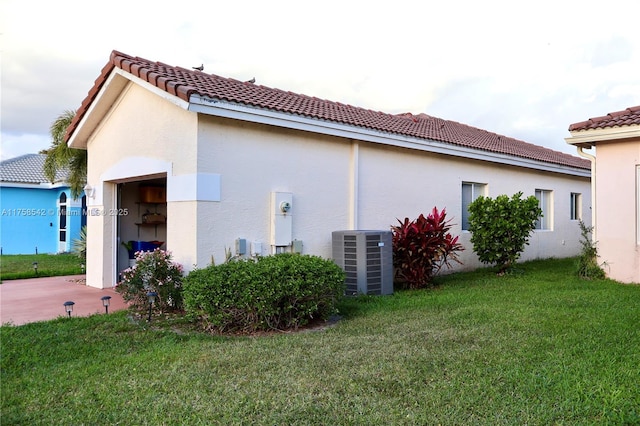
(367, 259)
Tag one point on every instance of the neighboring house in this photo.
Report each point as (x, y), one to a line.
(616, 188)
(219, 159)
(37, 216)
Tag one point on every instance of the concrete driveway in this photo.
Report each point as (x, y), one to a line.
(41, 299)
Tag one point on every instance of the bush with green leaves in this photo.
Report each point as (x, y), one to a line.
(588, 267)
(421, 248)
(501, 227)
(79, 245)
(278, 292)
(154, 271)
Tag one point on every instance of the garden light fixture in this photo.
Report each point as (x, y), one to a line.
(152, 299)
(35, 268)
(82, 267)
(105, 302)
(68, 307)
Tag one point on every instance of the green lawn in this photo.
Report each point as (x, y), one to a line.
(20, 266)
(535, 347)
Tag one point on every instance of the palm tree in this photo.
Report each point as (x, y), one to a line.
(61, 157)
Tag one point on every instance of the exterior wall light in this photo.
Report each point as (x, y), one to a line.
(68, 307)
(89, 191)
(105, 302)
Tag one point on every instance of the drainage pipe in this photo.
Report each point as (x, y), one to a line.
(594, 216)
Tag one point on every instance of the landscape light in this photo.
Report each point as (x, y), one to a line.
(105, 302)
(152, 299)
(68, 307)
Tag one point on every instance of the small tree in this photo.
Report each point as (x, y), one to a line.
(501, 227)
(588, 267)
(60, 157)
(422, 247)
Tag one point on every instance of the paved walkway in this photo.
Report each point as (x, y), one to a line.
(41, 299)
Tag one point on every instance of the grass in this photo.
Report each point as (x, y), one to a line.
(19, 266)
(536, 347)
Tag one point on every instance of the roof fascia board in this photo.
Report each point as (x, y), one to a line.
(108, 95)
(33, 185)
(234, 111)
(593, 136)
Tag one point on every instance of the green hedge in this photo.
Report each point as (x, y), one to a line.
(276, 292)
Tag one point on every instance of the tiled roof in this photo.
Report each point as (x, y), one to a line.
(28, 168)
(183, 83)
(627, 117)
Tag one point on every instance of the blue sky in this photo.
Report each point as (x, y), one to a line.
(524, 70)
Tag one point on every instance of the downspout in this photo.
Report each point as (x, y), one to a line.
(353, 191)
(591, 158)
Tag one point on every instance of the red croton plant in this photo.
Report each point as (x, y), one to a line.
(422, 247)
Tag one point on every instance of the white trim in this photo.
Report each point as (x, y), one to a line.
(154, 89)
(240, 112)
(34, 185)
(638, 205)
(117, 80)
(194, 187)
(593, 136)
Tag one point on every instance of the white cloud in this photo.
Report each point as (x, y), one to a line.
(526, 70)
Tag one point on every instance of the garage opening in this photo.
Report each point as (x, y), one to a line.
(142, 219)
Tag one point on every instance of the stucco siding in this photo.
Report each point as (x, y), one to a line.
(255, 160)
(399, 183)
(220, 174)
(141, 137)
(329, 176)
(31, 220)
(617, 195)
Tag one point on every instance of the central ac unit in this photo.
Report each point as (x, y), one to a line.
(366, 257)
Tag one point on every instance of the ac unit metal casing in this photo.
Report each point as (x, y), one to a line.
(366, 257)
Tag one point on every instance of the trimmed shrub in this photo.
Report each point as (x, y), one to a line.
(501, 227)
(422, 247)
(153, 271)
(278, 292)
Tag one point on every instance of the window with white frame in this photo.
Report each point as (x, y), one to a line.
(576, 206)
(545, 203)
(470, 191)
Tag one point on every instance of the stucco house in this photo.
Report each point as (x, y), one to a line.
(205, 164)
(616, 188)
(37, 216)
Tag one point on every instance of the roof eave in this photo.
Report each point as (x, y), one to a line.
(112, 89)
(220, 108)
(591, 137)
(34, 185)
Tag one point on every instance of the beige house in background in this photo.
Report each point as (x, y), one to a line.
(205, 164)
(616, 188)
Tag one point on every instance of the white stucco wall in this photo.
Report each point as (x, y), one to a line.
(140, 137)
(220, 174)
(617, 201)
(399, 183)
(255, 160)
(391, 183)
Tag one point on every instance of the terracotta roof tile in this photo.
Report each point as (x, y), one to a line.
(183, 83)
(627, 117)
